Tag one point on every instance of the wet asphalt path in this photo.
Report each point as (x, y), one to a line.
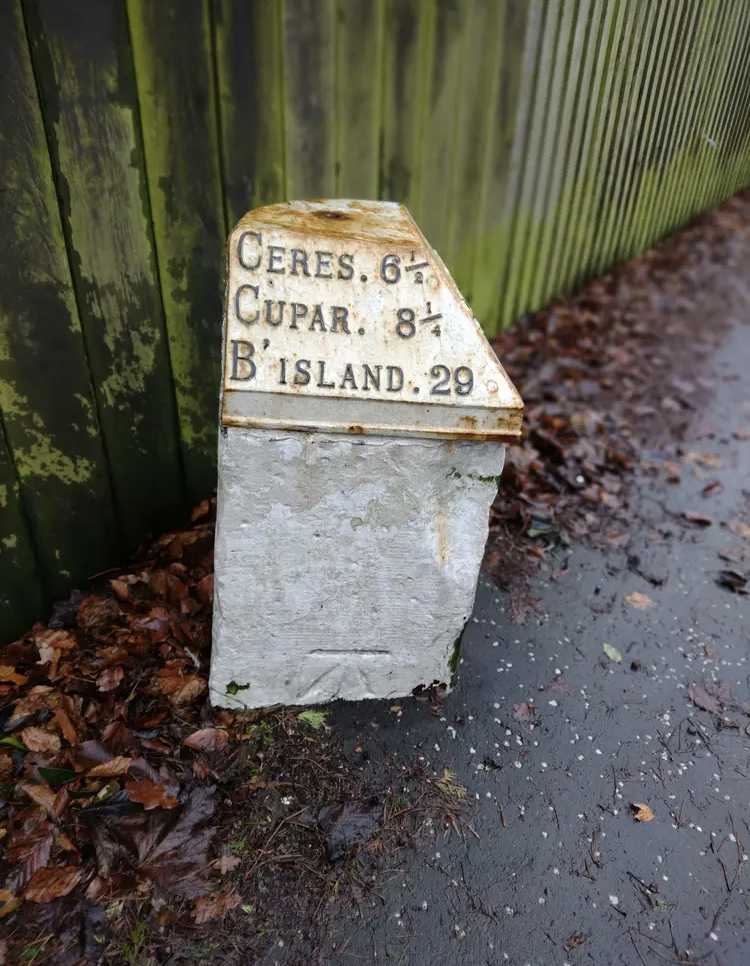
(555, 869)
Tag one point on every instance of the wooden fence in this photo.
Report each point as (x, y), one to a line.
(536, 143)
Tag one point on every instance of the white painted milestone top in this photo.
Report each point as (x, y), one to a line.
(341, 318)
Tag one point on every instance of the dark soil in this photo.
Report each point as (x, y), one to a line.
(137, 825)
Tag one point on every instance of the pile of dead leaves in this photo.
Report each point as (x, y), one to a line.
(131, 812)
(105, 788)
(596, 371)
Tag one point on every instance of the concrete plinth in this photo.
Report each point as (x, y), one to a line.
(344, 567)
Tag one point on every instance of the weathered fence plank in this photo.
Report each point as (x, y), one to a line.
(48, 412)
(442, 99)
(360, 29)
(638, 87)
(173, 52)
(522, 252)
(543, 212)
(21, 592)
(478, 93)
(585, 112)
(735, 112)
(308, 79)
(521, 27)
(81, 52)
(407, 32)
(251, 97)
(656, 82)
(584, 23)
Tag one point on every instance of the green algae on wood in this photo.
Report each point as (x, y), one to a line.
(405, 51)
(172, 49)
(21, 595)
(513, 90)
(251, 93)
(84, 70)
(358, 44)
(475, 104)
(307, 30)
(55, 464)
(442, 99)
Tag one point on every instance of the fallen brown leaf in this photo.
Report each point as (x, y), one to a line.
(698, 518)
(214, 907)
(151, 794)
(8, 902)
(207, 739)
(41, 795)
(180, 688)
(201, 510)
(205, 588)
(37, 739)
(639, 601)
(109, 679)
(55, 640)
(523, 711)
(10, 676)
(733, 580)
(96, 612)
(66, 726)
(49, 884)
(740, 528)
(6, 766)
(641, 813)
(702, 699)
(29, 850)
(227, 863)
(112, 768)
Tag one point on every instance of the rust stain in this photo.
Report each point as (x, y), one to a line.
(442, 539)
(339, 215)
(470, 421)
(362, 221)
(449, 435)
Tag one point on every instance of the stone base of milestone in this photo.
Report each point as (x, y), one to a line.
(345, 567)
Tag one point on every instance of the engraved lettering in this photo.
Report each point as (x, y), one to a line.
(282, 377)
(323, 260)
(340, 314)
(371, 376)
(269, 306)
(299, 311)
(238, 307)
(242, 359)
(346, 266)
(395, 378)
(405, 326)
(299, 256)
(390, 270)
(321, 377)
(464, 380)
(348, 381)
(302, 372)
(442, 374)
(276, 259)
(317, 319)
(244, 255)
